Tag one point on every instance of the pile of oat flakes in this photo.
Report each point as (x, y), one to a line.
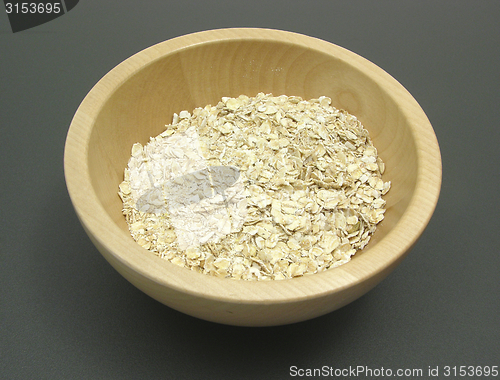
(256, 188)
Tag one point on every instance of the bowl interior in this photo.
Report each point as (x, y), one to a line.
(202, 74)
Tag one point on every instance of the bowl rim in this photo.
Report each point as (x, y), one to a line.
(384, 254)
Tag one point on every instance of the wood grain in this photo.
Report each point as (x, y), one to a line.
(138, 97)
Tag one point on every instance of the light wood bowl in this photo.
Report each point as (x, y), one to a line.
(138, 97)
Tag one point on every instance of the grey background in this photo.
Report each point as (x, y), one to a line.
(66, 314)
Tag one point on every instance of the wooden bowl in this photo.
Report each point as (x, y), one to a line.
(139, 96)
